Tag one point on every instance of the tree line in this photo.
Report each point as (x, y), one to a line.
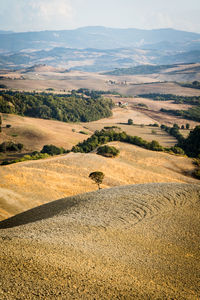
(193, 100)
(73, 107)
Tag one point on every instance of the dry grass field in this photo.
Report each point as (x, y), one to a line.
(45, 77)
(29, 184)
(34, 133)
(129, 242)
(152, 111)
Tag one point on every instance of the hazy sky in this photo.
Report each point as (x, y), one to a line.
(31, 15)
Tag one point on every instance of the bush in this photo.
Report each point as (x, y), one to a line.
(107, 151)
(155, 146)
(10, 147)
(153, 131)
(197, 173)
(177, 150)
(52, 150)
(83, 132)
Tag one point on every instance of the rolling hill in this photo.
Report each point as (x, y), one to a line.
(29, 184)
(129, 242)
(95, 49)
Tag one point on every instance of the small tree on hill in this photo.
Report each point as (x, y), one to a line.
(97, 177)
(130, 122)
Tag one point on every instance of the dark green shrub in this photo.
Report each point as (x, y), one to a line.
(52, 150)
(10, 147)
(177, 150)
(107, 151)
(83, 132)
(155, 146)
(197, 173)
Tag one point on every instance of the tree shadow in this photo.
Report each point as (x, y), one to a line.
(39, 213)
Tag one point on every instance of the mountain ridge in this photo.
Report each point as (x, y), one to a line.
(96, 49)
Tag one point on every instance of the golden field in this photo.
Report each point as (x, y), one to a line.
(28, 184)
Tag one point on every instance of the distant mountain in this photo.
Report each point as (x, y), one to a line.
(98, 48)
(93, 37)
(5, 31)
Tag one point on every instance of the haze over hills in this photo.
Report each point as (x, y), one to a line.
(98, 48)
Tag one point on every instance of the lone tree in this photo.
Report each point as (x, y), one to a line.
(130, 122)
(97, 177)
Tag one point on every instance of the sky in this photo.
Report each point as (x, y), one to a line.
(37, 15)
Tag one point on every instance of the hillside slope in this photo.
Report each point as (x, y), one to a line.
(129, 242)
(29, 184)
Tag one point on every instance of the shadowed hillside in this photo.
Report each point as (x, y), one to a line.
(129, 242)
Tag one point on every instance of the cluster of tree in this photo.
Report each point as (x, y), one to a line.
(10, 147)
(47, 151)
(154, 125)
(34, 156)
(94, 93)
(197, 170)
(108, 151)
(192, 113)
(191, 145)
(193, 100)
(104, 136)
(138, 70)
(53, 150)
(174, 131)
(194, 85)
(68, 108)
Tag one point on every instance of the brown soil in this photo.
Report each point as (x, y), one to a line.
(133, 242)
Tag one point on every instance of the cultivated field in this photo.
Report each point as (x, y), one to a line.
(44, 77)
(130, 242)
